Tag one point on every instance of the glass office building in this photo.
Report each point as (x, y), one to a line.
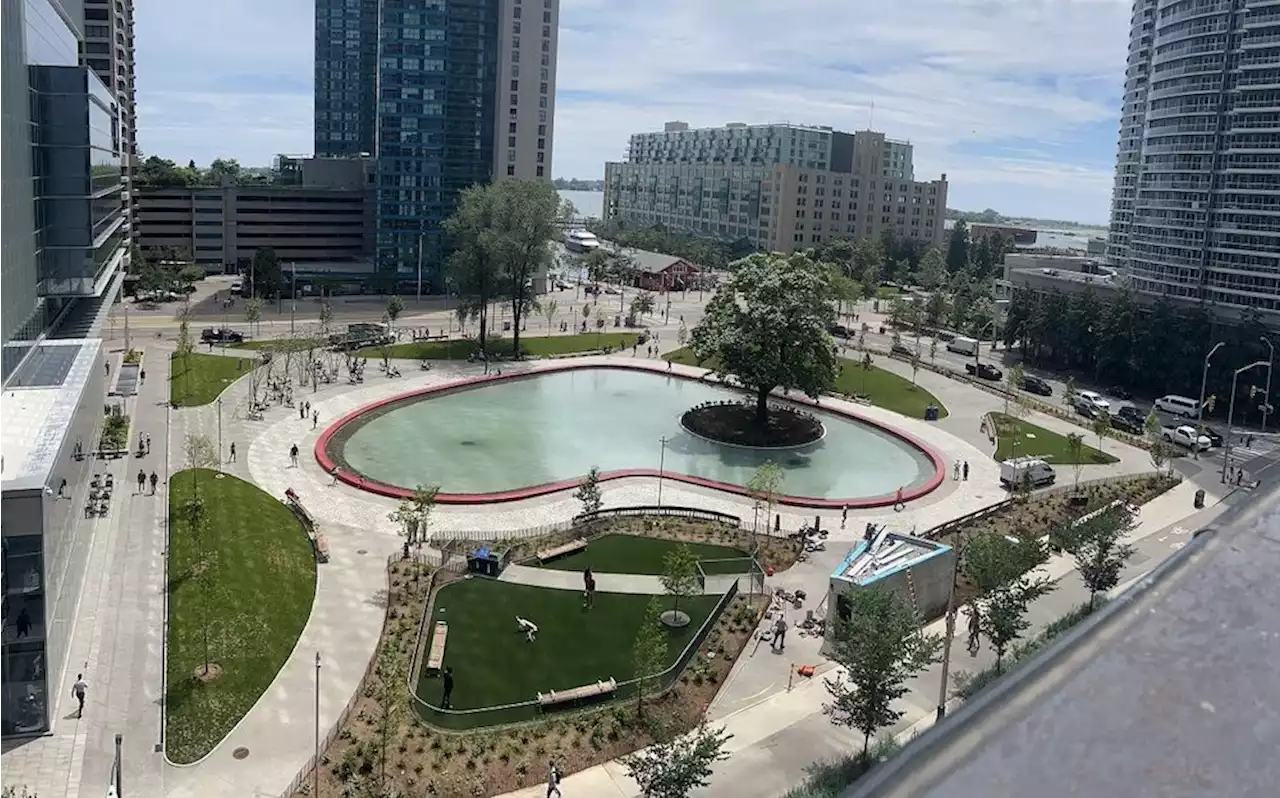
(65, 230)
(434, 89)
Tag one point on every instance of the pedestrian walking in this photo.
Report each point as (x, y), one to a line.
(148, 443)
(142, 480)
(142, 375)
(80, 689)
(553, 780)
(1239, 475)
(334, 474)
(955, 471)
(232, 459)
(779, 642)
(589, 588)
(315, 418)
(898, 504)
(844, 515)
(302, 411)
(293, 455)
(446, 699)
(965, 471)
(154, 480)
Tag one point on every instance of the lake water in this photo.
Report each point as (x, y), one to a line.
(591, 203)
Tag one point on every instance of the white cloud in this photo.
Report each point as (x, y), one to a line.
(1016, 100)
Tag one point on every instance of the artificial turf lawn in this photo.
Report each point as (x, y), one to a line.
(493, 663)
(197, 379)
(258, 598)
(533, 346)
(883, 388)
(635, 554)
(1043, 443)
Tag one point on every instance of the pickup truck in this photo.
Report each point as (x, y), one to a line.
(224, 335)
(984, 371)
(1187, 437)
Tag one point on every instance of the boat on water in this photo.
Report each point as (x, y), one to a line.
(581, 241)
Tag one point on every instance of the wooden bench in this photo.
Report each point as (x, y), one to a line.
(439, 635)
(322, 547)
(554, 697)
(565, 548)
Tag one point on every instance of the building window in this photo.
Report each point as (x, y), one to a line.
(516, 13)
(542, 144)
(515, 85)
(542, 88)
(546, 31)
(511, 141)
(546, 16)
(542, 157)
(540, 171)
(542, 101)
(515, 100)
(511, 168)
(515, 27)
(511, 128)
(546, 60)
(542, 130)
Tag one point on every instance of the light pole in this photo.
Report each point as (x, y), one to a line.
(293, 294)
(1231, 411)
(316, 771)
(1204, 381)
(662, 462)
(1266, 391)
(219, 403)
(977, 345)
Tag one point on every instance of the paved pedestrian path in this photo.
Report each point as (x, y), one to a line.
(638, 584)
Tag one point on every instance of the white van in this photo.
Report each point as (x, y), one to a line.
(1018, 470)
(1176, 405)
(963, 346)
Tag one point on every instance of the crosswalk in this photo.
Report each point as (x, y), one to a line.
(1259, 452)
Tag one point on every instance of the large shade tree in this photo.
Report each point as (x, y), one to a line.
(767, 327)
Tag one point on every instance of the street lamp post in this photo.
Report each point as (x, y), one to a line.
(219, 403)
(316, 771)
(421, 236)
(977, 347)
(662, 462)
(1204, 381)
(1231, 411)
(293, 295)
(1266, 391)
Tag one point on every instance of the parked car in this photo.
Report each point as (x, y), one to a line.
(1186, 436)
(224, 335)
(1020, 470)
(1128, 422)
(1215, 437)
(984, 371)
(1091, 404)
(563, 285)
(1033, 384)
(840, 331)
(902, 350)
(590, 289)
(1176, 405)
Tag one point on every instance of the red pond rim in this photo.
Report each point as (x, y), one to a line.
(374, 486)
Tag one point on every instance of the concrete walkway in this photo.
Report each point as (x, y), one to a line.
(638, 584)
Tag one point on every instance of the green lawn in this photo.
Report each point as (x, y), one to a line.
(493, 663)
(257, 597)
(636, 554)
(533, 345)
(883, 388)
(197, 379)
(1035, 441)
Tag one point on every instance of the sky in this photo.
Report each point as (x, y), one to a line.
(1016, 101)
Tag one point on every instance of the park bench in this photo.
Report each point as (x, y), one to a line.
(571, 547)
(322, 547)
(304, 516)
(435, 660)
(553, 697)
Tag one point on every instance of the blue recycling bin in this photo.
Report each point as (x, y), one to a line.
(483, 561)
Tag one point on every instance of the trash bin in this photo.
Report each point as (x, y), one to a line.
(1200, 500)
(483, 561)
(931, 413)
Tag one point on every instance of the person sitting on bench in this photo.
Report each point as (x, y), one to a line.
(529, 628)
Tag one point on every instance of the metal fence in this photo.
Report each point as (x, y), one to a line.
(445, 537)
(488, 718)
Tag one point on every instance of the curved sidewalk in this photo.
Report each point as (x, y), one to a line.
(640, 584)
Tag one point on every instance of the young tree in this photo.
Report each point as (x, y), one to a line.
(389, 688)
(253, 314)
(642, 304)
(1100, 426)
(395, 306)
(764, 486)
(186, 344)
(879, 647)
(326, 317)
(586, 312)
(679, 578)
(1014, 380)
(589, 491)
(597, 263)
(1005, 572)
(767, 327)
(866, 369)
(549, 308)
(682, 334)
(933, 269)
(1069, 392)
(266, 276)
(674, 768)
(650, 651)
(524, 224)
(933, 351)
(199, 454)
(915, 367)
(1075, 449)
(1159, 454)
(1099, 553)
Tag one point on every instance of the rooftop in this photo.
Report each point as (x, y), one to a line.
(652, 262)
(887, 552)
(37, 408)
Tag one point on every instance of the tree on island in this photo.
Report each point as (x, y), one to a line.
(767, 327)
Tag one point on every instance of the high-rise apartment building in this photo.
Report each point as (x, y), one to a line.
(65, 233)
(108, 51)
(445, 94)
(1196, 205)
(781, 187)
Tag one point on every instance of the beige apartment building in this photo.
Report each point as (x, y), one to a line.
(781, 187)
